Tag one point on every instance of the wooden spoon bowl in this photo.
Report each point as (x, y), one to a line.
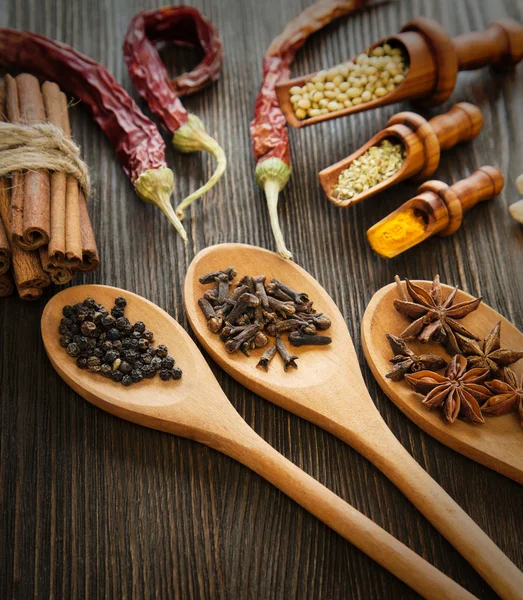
(328, 390)
(499, 443)
(196, 407)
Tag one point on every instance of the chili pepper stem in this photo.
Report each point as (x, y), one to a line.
(272, 175)
(192, 137)
(155, 186)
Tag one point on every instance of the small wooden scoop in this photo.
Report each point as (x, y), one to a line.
(441, 207)
(423, 141)
(195, 407)
(328, 390)
(434, 62)
(499, 443)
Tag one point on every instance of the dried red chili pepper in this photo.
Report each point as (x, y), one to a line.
(137, 141)
(269, 126)
(183, 26)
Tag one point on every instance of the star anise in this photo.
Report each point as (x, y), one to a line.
(435, 319)
(456, 393)
(488, 354)
(508, 395)
(405, 361)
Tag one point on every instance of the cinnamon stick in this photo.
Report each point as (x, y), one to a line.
(6, 285)
(37, 198)
(90, 257)
(58, 274)
(27, 269)
(12, 112)
(5, 247)
(29, 293)
(65, 244)
(5, 251)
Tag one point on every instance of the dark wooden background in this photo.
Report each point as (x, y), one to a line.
(94, 507)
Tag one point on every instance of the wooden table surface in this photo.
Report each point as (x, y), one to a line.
(94, 507)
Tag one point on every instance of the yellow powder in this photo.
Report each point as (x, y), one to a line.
(395, 234)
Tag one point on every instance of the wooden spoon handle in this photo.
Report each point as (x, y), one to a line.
(252, 451)
(383, 449)
(501, 44)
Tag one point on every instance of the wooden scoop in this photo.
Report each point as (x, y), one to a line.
(423, 141)
(328, 390)
(434, 62)
(441, 206)
(195, 407)
(499, 443)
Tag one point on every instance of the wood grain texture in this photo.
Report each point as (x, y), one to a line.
(92, 506)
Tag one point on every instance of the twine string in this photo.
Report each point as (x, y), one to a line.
(41, 146)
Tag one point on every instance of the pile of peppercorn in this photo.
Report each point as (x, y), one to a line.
(250, 313)
(111, 345)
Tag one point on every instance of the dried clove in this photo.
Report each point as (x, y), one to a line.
(245, 302)
(211, 277)
(289, 360)
(300, 338)
(266, 357)
(246, 313)
(298, 297)
(287, 308)
(214, 322)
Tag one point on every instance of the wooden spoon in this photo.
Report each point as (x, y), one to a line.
(328, 390)
(499, 443)
(195, 407)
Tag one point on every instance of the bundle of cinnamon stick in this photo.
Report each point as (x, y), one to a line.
(45, 230)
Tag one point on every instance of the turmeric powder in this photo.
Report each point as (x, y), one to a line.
(396, 233)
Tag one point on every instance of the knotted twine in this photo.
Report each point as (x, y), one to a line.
(41, 146)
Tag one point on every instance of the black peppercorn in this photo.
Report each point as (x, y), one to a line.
(162, 351)
(117, 312)
(108, 322)
(88, 328)
(120, 301)
(106, 370)
(110, 356)
(168, 362)
(113, 334)
(165, 374)
(116, 376)
(121, 323)
(125, 367)
(139, 326)
(93, 364)
(111, 345)
(83, 313)
(65, 340)
(156, 363)
(73, 350)
(136, 375)
(148, 371)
